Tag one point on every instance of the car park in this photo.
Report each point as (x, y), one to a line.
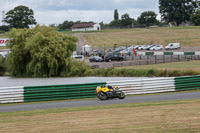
(96, 59)
(113, 57)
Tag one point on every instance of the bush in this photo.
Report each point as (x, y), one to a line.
(79, 68)
(130, 72)
(151, 73)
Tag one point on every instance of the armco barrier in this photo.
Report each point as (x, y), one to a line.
(144, 86)
(12, 94)
(187, 82)
(155, 85)
(70, 91)
(60, 92)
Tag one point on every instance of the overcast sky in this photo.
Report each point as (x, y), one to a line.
(56, 11)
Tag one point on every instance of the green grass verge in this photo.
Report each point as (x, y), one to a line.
(100, 107)
(185, 65)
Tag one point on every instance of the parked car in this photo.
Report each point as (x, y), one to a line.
(157, 47)
(119, 49)
(78, 57)
(173, 46)
(150, 46)
(144, 47)
(113, 57)
(137, 46)
(96, 59)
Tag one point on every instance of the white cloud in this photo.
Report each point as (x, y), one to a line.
(57, 11)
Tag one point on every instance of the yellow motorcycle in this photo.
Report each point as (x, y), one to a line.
(105, 92)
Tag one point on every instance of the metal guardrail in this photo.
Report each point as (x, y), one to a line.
(12, 94)
(70, 91)
(187, 83)
(145, 60)
(155, 85)
(145, 86)
(60, 92)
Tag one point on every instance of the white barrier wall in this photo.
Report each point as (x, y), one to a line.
(12, 94)
(145, 86)
(197, 53)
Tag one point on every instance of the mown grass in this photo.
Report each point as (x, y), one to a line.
(192, 65)
(99, 107)
(174, 69)
(187, 36)
(168, 116)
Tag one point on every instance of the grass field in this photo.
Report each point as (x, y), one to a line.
(185, 65)
(171, 116)
(187, 36)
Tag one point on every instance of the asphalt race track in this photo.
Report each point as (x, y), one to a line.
(94, 102)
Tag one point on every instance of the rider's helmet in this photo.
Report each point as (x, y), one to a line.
(109, 87)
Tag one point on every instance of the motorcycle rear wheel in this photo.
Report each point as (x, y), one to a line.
(121, 95)
(102, 96)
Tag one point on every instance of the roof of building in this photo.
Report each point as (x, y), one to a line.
(85, 25)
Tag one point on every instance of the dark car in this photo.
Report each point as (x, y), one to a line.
(113, 57)
(95, 59)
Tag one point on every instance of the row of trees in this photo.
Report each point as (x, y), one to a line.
(147, 19)
(172, 11)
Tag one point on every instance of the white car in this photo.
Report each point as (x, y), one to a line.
(157, 47)
(141, 47)
(145, 47)
(173, 46)
(137, 47)
(78, 57)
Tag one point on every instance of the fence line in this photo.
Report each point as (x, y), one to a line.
(145, 60)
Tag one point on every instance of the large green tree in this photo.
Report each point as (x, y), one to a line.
(177, 11)
(195, 18)
(20, 17)
(147, 18)
(126, 21)
(40, 51)
(116, 15)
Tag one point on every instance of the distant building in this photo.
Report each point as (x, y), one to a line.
(86, 27)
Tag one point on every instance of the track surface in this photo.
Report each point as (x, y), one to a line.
(94, 102)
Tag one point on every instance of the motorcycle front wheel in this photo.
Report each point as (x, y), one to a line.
(102, 96)
(121, 95)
